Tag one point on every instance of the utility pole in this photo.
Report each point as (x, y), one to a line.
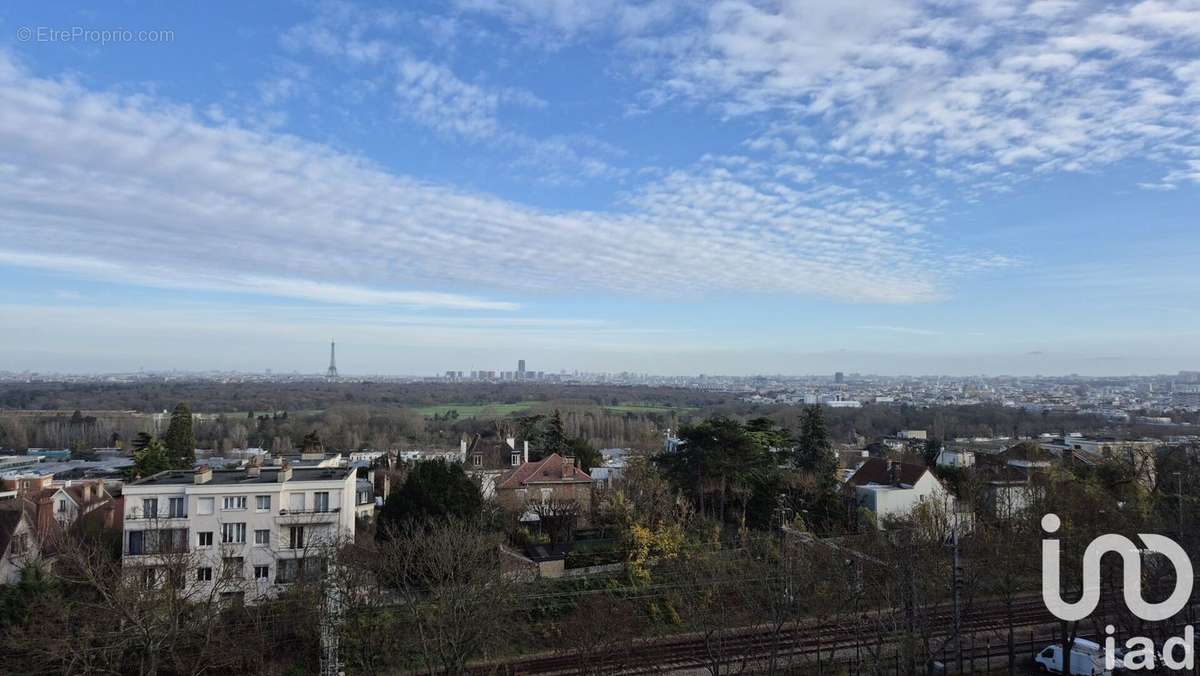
(1179, 498)
(957, 595)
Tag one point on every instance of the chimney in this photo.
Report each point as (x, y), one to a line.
(526, 451)
(253, 470)
(202, 475)
(568, 467)
(462, 447)
(285, 472)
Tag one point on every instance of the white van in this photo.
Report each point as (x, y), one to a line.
(1084, 662)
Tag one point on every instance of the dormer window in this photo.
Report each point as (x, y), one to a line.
(516, 459)
(478, 460)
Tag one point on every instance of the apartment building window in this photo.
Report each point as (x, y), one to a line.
(204, 538)
(262, 572)
(233, 567)
(262, 537)
(233, 533)
(289, 570)
(175, 508)
(149, 507)
(204, 506)
(172, 539)
(137, 542)
(234, 502)
(296, 502)
(263, 503)
(321, 501)
(204, 574)
(149, 577)
(296, 537)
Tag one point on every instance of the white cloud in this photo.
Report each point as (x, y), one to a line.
(1011, 89)
(233, 281)
(134, 189)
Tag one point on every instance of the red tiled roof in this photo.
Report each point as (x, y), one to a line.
(546, 470)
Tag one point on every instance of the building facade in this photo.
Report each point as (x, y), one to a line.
(245, 532)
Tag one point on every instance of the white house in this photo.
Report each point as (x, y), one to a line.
(893, 489)
(953, 458)
(251, 530)
(18, 543)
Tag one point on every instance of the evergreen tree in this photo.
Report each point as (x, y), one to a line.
(814, 449)
(434, 490)
(180, 440)
(586, 457)
(152, 459)
(933, 448)
(554, 438)
(141, 441)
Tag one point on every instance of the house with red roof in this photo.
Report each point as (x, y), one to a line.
(552, 480)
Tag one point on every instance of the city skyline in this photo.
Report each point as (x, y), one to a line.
(659, 186)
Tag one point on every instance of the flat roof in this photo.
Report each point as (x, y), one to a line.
(234, 477)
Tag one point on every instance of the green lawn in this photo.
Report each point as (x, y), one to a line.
(475, 410)
(466, 410)
(647, 408)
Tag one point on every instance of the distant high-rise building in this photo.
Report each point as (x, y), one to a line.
(520, 369)
(839, 377)
(332, 372)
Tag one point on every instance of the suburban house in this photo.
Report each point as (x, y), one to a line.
(54, 506)
(1006, 477)
(554, 480)
(956, 458)
(63, 505)
(488, 456)
(243, 533)
(893, 489)
(18, 542)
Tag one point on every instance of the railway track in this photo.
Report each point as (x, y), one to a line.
(790, 645)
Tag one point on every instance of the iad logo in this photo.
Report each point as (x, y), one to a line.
(1131, 559)
(1131, 567)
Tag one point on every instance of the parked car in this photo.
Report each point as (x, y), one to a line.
(1084, 661)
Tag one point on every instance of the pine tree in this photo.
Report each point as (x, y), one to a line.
(554, 438)
(180, 441)
(814, 450)
(933, 448)
(152, 459)
(433, 490)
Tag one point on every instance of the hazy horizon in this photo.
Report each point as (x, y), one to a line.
(652, 186)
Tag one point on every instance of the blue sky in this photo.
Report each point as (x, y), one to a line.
(664, 186)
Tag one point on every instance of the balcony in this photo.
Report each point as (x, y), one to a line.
(303, 516)
(137, 516)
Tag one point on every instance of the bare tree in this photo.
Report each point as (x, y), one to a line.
(452, 591)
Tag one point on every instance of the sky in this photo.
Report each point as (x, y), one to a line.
(664, 186)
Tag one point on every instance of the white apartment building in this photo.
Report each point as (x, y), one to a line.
(241, 533)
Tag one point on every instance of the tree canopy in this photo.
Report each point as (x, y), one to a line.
(179, 440)
(814, 449)
(434, 490)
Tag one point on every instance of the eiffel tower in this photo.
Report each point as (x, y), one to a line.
(332, 373)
